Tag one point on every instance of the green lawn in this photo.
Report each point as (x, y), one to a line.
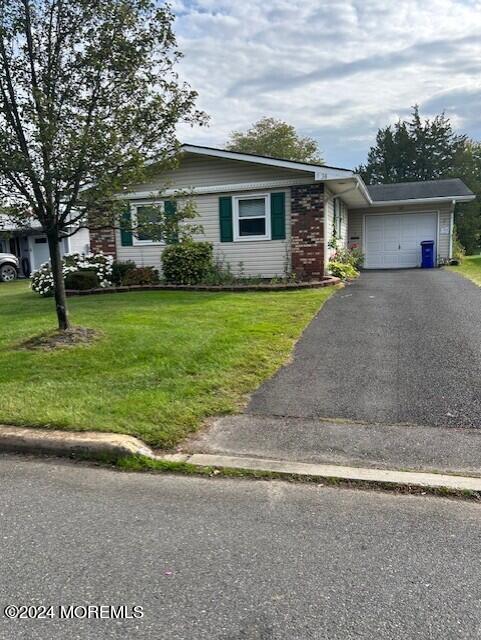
(166, 360)
(470, 268)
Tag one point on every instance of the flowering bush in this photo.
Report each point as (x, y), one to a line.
(342, 270)
(42, 279)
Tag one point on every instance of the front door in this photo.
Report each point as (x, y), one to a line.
(40, 253)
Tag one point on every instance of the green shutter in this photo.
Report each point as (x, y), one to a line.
(170, 208)
(225, 219)
(125, 229)
(278, 216)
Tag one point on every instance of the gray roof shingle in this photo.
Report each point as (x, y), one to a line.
(450, 188)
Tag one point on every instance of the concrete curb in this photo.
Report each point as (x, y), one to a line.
(87, 444)
(112, 447)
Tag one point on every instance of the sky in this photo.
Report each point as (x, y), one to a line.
(335, 69)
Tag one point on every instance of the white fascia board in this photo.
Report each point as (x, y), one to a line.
(221, 188)
(320, 172)
(393, 203)
(358, 184)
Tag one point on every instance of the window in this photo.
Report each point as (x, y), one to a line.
(252, 218)
(142, 217)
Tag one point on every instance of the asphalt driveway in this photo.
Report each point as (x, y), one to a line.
(393, 347)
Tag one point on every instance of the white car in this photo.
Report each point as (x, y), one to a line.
(8, 267)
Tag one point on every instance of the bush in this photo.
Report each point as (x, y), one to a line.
(342, 270)
(42, 279)
(141, 275)
(120, 270)
(353, 256)
(81, 280)
(458, 250)
(187, 262)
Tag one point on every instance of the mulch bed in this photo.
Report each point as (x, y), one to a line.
(328, 281)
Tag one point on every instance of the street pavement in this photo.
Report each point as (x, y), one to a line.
(219, 559)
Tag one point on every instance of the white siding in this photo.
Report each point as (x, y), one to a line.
(329, 223)
(203, 171)
(356, 223)
(267, 258)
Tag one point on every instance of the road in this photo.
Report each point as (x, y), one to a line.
(237, 559)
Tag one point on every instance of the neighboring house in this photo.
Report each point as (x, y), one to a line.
(271, 217)
(30, 244)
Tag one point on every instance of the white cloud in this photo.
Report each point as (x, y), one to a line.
(337, 70)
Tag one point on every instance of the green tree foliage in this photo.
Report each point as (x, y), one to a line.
(276, 139)
(416, 149)
(88, 94)
(413, 150)
(468, 214)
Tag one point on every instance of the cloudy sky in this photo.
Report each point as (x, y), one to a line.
(336, 69)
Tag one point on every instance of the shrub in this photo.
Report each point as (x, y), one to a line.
(42, 278)
(120, 270)
(342, 270)
(458, 250)
(81, 280)
(187, 262)
(353, 256)
(141, 275)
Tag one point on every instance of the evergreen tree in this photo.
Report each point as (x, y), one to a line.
(416, 149)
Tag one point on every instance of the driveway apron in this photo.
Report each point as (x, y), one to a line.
(393, 347)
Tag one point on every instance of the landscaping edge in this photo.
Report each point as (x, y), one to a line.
(328, 281)
(132, 454)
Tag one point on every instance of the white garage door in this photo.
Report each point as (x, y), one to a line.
(394, 241)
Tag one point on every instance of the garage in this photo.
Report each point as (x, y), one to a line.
(393, 241)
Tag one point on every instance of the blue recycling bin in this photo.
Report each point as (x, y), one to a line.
(427, 253)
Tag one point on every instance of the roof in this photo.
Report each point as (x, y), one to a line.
(187, 147)
(428, 190)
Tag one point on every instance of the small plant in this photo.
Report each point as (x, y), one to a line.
(187, 262)
(342, 270)
(352, 256)
(82, 280)
(141, 275)
(120, 270)
(459, 251)
(220, 273)
(42, 278)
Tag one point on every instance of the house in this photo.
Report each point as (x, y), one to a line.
(30, 246)
(270, 217)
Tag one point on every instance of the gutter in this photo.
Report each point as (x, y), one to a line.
(386, 203)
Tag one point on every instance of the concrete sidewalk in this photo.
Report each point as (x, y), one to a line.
(416, 448)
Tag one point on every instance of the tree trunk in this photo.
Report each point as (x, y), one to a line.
(59, 284)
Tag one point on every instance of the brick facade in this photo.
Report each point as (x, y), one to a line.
(307, 220)
(103, 240)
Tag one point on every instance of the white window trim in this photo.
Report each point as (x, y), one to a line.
(236, 218)
(133, 213)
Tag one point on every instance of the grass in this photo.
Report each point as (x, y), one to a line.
(165, 360)
(470, 268)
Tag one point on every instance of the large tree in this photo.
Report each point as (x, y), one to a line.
(276, 139)
(88, 95)
(417, 149)
(468, 214)
(414, 149)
